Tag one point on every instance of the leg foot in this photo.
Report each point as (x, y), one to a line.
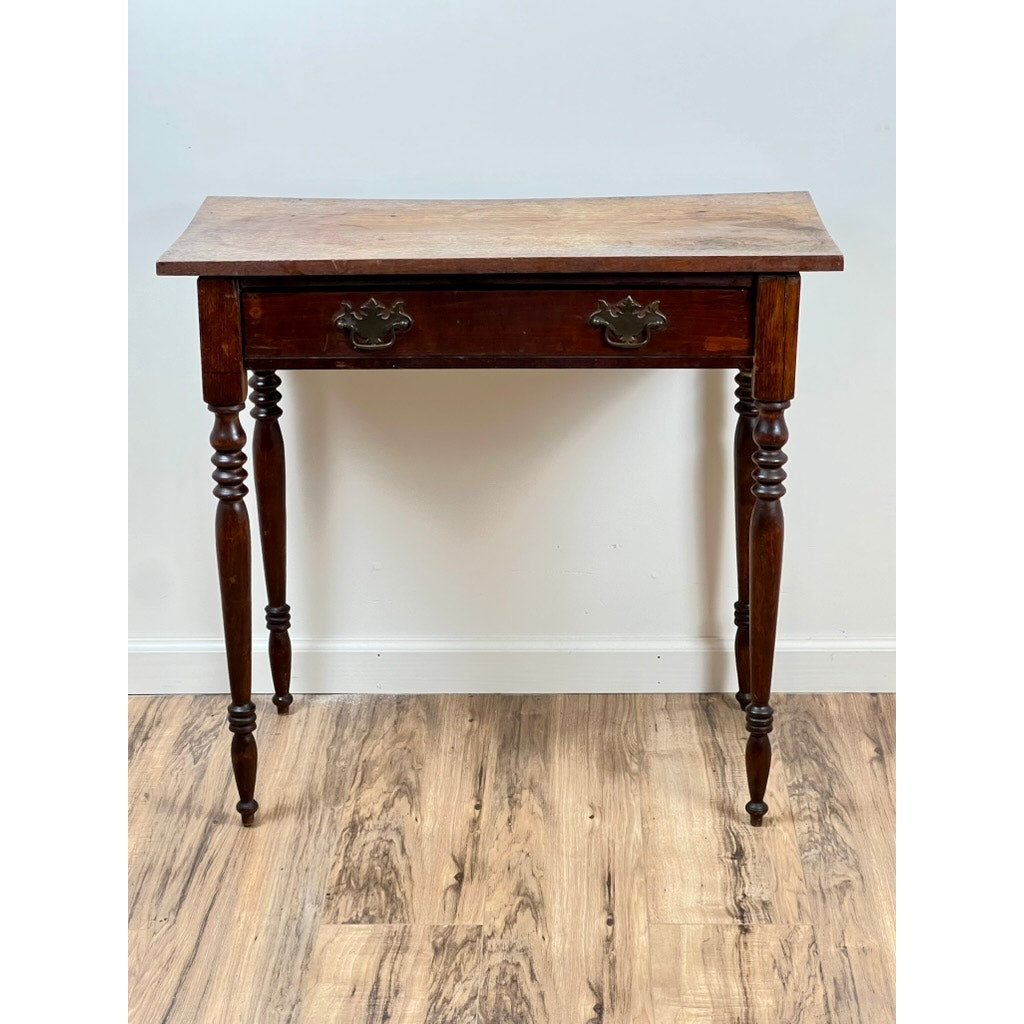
(759, 759)
(233, 562)
(771, 389)
(280, 648)
(766, 535)
(242, 723)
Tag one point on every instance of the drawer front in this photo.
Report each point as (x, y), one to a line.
(616, 326)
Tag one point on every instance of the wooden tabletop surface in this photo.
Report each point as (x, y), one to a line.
(766, 232)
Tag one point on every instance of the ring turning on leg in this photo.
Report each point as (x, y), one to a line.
(759, 759)
(743, 454)
(242, 722)
(279, 621)
(268, 471)
(766, 535)
(233, 564)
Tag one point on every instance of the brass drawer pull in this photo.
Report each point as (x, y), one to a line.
(625, 324)
(373, 326)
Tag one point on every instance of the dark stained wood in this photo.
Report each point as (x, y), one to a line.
(234, 565)
(766, 535)
(220, 331)
(297, 329)
(767, 232)
(778, 307)
(365, 361)
(268, 475)
(774, 379)
(497, 284)
(743, 454)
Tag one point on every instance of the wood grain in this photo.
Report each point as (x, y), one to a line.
(757, 974)
(775, 329)
(600, 924)
(767, 232)
(743, 504)
(223, 920)
(518, 837)
(220, 329)
(269, 477)
(394, 974)
(475, 859)
(234, 567)
(839, 766)
(293, 329)
(408, 845)
(691, 816)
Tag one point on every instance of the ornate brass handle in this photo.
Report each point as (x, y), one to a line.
(625, 324)
(373, 326)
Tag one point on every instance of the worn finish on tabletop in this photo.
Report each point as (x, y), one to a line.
(483, 859)
(669, 281)
(767, 232)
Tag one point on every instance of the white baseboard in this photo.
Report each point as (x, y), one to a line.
(524, 665)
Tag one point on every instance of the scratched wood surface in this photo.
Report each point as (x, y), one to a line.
(481, 859)
(761, 232)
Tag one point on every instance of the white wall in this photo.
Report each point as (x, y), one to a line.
(519, 529)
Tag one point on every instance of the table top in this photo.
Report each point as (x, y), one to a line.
(761, 232)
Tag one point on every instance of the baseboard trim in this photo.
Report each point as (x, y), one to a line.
(522, 665)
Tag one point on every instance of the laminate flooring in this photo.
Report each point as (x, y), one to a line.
(482, 859)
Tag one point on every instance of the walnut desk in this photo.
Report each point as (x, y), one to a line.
(342, 284)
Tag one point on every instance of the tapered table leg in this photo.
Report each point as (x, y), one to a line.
(234, 566)
(743, 454)
(268, 474)
(777, 306)
(766, 535)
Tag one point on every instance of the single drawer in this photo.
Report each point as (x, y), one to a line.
(512, 326)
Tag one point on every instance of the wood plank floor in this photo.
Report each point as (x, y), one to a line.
(480, 859)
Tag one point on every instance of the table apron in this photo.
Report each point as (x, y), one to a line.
(473, 327)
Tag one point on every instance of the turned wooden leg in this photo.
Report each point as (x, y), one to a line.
(743, 454)
(234, 565)
(766, 533)
(268, 474)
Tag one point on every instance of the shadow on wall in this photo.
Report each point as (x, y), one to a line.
(467, 447)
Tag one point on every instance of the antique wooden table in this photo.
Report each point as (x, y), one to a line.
(679, 281)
